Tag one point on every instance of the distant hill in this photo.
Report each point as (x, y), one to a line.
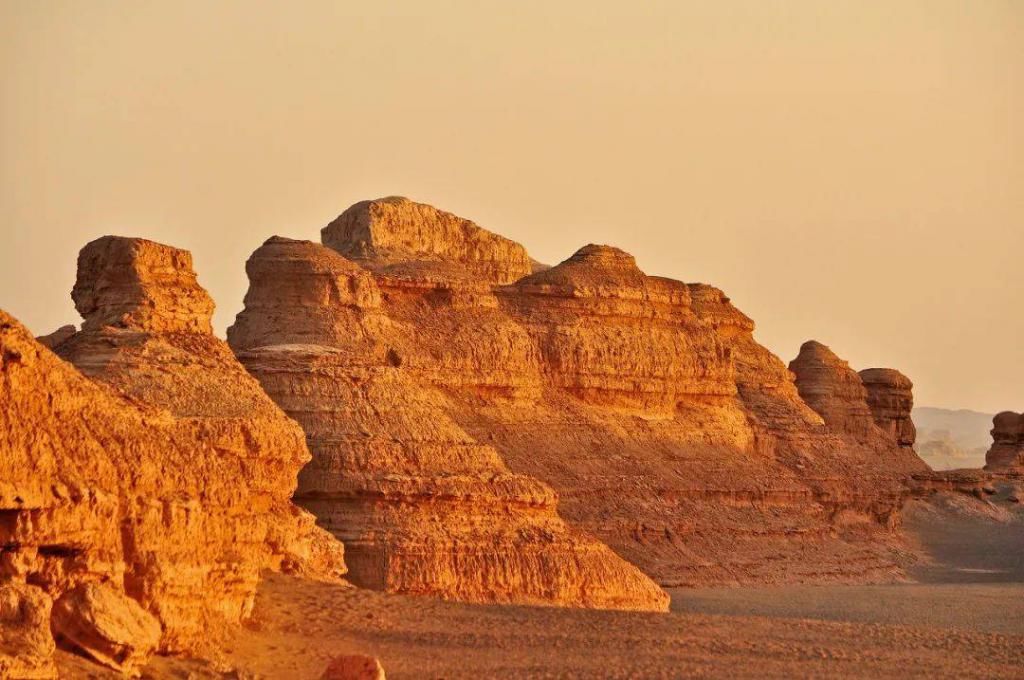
(948, 439)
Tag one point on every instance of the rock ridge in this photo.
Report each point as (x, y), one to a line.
(422, 506)
(665, 429)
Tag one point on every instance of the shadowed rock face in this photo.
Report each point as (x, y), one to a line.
(158, 466)
(891, 399)
(833, 389)
(665, 429)
(1007, 452)
(421, 505)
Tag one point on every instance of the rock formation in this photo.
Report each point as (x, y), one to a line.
(421, 505)
(391, 233)
(26, 643)
(105, 624)
(1007, 452)
(833, 389)
(424, 352)
(135, 283)
(55, 338)
(891, 399)
(158, 466)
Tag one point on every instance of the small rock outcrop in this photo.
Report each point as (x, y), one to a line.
(1007, 451)
(149, 460)
(135, 283)
(890, 397)
(421, 505)
(106, 625)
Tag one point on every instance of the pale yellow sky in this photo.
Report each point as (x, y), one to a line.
(849, 171)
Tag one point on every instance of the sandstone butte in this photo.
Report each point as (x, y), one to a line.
(147, 478)
(1007, 452)
(447, 384)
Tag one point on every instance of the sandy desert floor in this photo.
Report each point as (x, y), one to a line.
(972, 577)
(963, 618)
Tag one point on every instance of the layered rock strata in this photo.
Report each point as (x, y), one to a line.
(391, 233)
(421, 505)
(835, 391)
(1007, 451)
(890, 397)
(157, 466)
(663, 426)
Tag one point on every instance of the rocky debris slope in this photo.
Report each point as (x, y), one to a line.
(1007, 451)
(421, 505)
(436, 353)
(158, 467)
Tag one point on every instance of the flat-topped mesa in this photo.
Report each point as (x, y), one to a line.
(891, 399)
(1007, 452)
(413, 240)
(139, 284)
(834, 390)
(422, 506)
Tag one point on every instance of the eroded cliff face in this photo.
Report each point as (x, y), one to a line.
(157, 466)
(422, 506)
(665, 429)
(890, 397)
(835, 391)
(1007, 451)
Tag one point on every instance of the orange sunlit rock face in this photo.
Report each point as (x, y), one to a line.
(439, 378)
(149, 459)
(421, 505)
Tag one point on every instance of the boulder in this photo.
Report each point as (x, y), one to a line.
(106, 625)
(354, 667)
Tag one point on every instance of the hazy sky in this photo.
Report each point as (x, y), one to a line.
(847, 171)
